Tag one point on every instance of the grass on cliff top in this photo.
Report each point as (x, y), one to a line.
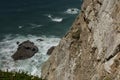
(17, 76)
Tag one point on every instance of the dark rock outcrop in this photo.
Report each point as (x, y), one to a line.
(50, 50)
(25, 50)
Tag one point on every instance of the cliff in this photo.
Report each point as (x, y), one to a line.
(91, 48)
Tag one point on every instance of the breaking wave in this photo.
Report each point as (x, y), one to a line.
(55, 19)
(72, 11)
(32, 65)
(35, 25)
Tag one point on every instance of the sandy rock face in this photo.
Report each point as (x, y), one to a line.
(91, 48)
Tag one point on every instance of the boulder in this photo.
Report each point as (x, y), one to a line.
(50, 50)
(25, 50)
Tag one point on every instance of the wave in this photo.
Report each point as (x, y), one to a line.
(20, 27)
(72, 11)
(8, 47)
(31, 25)
(55, 19)
(35, 25)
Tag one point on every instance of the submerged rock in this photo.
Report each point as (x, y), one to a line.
(39, 40)
(25, 50)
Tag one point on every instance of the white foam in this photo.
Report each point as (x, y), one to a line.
(72, 11)
(55, 19)
(35, 25)
(33, 65)
(20, 27)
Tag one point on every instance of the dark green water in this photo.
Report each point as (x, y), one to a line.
(31, 16)
(22, 20)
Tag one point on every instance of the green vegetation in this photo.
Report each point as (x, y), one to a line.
(107, 78)
(17, 76)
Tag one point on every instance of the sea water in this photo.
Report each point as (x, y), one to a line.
(22, 20)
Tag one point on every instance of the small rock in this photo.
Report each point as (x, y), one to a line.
(50, 50)
(25, 50)
(17, 42)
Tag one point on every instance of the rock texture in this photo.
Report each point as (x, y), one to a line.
(50, 50)
(91, 48)
(25, 50)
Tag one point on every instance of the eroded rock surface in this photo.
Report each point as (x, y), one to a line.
(50, 50)
(91, 48)
(25, 50)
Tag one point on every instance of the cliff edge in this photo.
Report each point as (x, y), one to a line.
(91, 48)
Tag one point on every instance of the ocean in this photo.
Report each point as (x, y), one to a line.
(22, 20)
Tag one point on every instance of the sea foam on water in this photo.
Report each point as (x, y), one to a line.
(32, 65)
(72, 11)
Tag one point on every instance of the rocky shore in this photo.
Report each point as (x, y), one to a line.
(91, 48)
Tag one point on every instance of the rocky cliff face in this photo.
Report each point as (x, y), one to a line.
(91, 48)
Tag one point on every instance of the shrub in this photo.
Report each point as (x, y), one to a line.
(17, 76)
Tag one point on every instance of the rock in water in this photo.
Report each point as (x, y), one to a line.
(25, 50)
(39, 40)
(50, 50)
